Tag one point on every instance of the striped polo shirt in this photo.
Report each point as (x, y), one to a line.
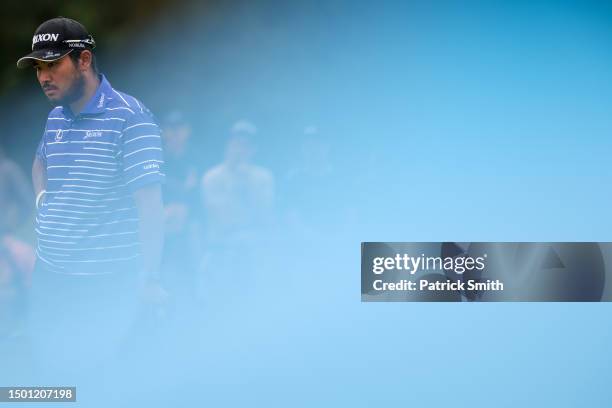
(88, 222)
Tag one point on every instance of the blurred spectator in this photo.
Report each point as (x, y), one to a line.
(16, 265)
(310, 177)
(16, 257)
(181, 205)
(238, 195)
(314, 160)
(16, 195)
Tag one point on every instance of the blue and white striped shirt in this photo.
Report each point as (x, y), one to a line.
(88, 222)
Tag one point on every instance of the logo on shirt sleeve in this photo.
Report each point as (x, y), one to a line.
(150, 166)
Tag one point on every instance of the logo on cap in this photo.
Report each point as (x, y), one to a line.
(52, 54)
(44, 37)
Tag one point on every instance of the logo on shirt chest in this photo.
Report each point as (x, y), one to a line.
(91, 134)
(58, 135)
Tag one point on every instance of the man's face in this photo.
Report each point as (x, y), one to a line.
(239, 150)
(60, 80)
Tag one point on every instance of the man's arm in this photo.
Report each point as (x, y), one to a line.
(39, 175)
(39, 168)
(150, 207)
(141, 158)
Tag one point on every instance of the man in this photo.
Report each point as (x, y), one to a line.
(97, 177)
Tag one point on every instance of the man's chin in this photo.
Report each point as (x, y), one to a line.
(55, 100)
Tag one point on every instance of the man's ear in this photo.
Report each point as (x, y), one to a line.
(85, 60)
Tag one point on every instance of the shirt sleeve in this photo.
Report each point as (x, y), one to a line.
(141, 151)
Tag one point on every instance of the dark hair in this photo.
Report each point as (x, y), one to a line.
(76, 54)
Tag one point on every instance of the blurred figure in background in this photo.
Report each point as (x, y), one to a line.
(238, 198)
(16, 194)
(238, 194)
(16, 257)
(309, 178)
(181, 206)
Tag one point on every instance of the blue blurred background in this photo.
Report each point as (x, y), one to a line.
(356, 121)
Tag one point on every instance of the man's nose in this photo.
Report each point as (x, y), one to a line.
(43, 75)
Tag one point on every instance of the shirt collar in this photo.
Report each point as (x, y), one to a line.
(98, 101)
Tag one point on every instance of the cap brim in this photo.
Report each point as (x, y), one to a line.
(41, 55)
